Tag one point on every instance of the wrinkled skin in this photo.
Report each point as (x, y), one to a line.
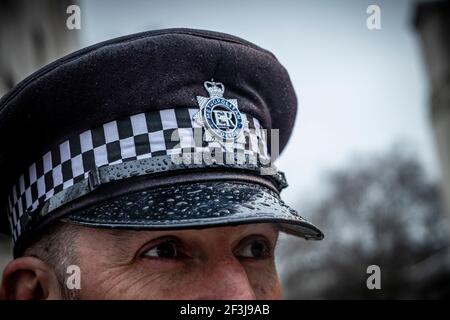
(214, 263)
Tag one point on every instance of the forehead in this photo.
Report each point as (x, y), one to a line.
(120, 236)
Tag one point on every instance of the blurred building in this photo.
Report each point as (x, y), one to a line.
(432, 22)
(32, 34)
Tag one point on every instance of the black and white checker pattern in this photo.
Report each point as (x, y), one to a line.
(139, 136)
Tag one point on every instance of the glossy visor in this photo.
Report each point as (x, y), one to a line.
(194, 206)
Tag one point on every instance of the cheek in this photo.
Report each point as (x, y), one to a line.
(139, 281)
(264, 281)
(144, 280)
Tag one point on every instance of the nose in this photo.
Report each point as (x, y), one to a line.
(226, 280)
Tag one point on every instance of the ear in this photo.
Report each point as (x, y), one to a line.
(29, 278)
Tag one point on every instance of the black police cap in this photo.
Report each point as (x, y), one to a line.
(89, 138)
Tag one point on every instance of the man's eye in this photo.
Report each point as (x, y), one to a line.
(255, 249)
(166, 250)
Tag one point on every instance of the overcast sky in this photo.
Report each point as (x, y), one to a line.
(359, 91)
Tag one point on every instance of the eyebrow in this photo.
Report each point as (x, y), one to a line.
(250, 226)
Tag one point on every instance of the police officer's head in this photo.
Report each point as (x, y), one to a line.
(142, 167)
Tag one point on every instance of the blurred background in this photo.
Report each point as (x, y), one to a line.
(369, 158)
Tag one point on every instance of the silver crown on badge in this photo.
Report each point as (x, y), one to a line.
(215, 89)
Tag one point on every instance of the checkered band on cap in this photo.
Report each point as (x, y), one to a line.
(140, 136)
